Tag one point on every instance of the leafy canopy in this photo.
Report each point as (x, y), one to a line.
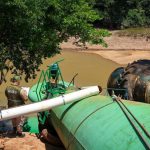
(124, 13)
(31, 30)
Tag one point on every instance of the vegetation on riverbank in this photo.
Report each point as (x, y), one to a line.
(119, 14)
(135, 32)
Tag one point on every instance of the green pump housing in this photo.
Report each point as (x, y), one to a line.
(44, 89)
(98, 122)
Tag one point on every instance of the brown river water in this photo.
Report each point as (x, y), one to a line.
(92, 69)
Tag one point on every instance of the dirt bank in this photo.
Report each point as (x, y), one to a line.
(123, 56)
(122, 50)
(29, 142)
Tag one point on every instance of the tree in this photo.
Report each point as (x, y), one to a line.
(145, 4)
(134, 18)
(124, 13)
(113, 12)
(31, 30)
(104, 9)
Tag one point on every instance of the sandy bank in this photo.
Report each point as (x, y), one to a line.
(29, 142)
(123, 56)
(122, 50)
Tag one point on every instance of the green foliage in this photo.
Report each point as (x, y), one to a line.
(124, 13)
(145, 4)
(113, 12)
(33, 29)
(134, 18)
(135, 32)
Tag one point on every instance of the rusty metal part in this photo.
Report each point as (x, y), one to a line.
(50, 138)
(147, 93)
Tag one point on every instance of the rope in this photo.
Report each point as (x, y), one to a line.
(123, 107)
(143, 128)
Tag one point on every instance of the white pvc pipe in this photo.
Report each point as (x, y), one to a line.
(48, 104)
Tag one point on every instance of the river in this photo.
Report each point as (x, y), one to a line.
(92, 69)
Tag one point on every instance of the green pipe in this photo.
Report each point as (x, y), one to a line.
(98, 122)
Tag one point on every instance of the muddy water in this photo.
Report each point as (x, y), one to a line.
(91, 68)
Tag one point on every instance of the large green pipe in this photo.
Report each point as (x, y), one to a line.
(99, 123)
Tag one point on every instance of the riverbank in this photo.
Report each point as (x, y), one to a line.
(29, 142)
(121, 49)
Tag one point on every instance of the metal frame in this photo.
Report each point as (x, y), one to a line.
(49, 89)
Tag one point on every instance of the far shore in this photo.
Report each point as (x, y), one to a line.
(122, 50)
(122, 56)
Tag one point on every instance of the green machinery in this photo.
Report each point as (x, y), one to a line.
(50, 84)
(99, 122)
(44, 88)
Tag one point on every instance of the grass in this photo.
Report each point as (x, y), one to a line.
(135, 32)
